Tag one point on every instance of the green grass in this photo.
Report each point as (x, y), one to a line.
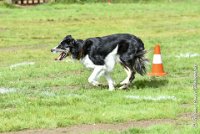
(53, 94)
(164, 129)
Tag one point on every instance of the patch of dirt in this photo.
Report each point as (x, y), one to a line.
(87, 129)
(3, 29)
(186, 118)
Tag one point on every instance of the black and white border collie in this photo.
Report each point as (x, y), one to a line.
(101, 54)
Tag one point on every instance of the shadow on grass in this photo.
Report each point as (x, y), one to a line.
(151, 83)
(137, 84)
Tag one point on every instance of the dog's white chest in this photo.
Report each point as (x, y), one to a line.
(87, 62)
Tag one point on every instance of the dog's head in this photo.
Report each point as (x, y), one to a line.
(69, 46)
(64, 48)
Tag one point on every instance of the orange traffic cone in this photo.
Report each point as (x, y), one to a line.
(157, 68)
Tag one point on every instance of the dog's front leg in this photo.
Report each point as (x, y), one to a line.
(94, 76)
(110, 82)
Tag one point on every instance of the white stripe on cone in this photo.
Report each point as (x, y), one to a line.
(157, 59)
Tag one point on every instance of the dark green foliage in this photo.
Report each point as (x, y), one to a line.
(112, 1)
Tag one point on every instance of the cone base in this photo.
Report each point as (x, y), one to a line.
(157, 74)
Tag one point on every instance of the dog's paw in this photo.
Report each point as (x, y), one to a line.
(125, 82)
(95, 83)
(111, 88)
(125, 86)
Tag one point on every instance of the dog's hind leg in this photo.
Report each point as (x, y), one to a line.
(126, 80)
(130, 77)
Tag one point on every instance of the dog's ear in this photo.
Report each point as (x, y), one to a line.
(70, 40)
(68, 36)
(73, 42)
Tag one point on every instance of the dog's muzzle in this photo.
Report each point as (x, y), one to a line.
(53, 50)
(63, 53)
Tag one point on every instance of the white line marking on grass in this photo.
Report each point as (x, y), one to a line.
(6, 90)
(49, 94)
(188, 55)
(21, 64)
(152, 98)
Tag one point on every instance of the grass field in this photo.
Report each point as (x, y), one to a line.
(49, 94)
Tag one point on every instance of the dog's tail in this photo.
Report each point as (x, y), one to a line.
(140, 62)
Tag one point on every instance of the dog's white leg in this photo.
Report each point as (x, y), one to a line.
(110, 81)
(126, 81)
(100, 74)
(94, 76)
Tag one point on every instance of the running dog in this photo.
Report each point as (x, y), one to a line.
(101, 54)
